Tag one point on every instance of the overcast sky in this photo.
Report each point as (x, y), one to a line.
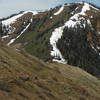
(8, 7)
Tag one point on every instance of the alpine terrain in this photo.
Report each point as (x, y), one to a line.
(52, 54)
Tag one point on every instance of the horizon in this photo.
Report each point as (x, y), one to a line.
(13, 7)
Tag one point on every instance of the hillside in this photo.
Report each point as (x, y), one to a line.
(68, 34)
(24, 77)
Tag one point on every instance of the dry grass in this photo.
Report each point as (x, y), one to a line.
(23, 77)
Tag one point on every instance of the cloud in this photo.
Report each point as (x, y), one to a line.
(8, 7)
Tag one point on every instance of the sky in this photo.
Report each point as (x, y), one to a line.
(8, 7)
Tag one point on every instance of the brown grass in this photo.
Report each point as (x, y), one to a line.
(23, 77)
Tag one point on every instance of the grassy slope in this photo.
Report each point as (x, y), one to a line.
(23, 77)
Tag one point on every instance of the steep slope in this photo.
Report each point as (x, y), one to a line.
(67, 34)
(24, 77)
(15, 25)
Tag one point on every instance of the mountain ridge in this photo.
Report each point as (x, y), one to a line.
(78, 19)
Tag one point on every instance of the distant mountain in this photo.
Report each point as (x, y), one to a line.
(68, 34)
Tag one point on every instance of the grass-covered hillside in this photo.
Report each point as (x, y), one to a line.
(23, 77)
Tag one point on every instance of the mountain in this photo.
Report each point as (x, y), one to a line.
(17, 23)
(24, 77)
(69, 34)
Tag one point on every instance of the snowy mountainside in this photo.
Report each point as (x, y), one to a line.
(74, 21)
(16, 24)
(68, 34)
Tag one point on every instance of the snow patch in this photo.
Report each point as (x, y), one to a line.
(59, 11)
(5, 36)
(51, 17)
(14, 18)
(99, 33)
(91, 16)
(98, 48)
(12, 41)
(6, 24)
(85, 8)
(77, 18)
(57, 33)
(94, 8)
(60, 61)
(93, 48)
